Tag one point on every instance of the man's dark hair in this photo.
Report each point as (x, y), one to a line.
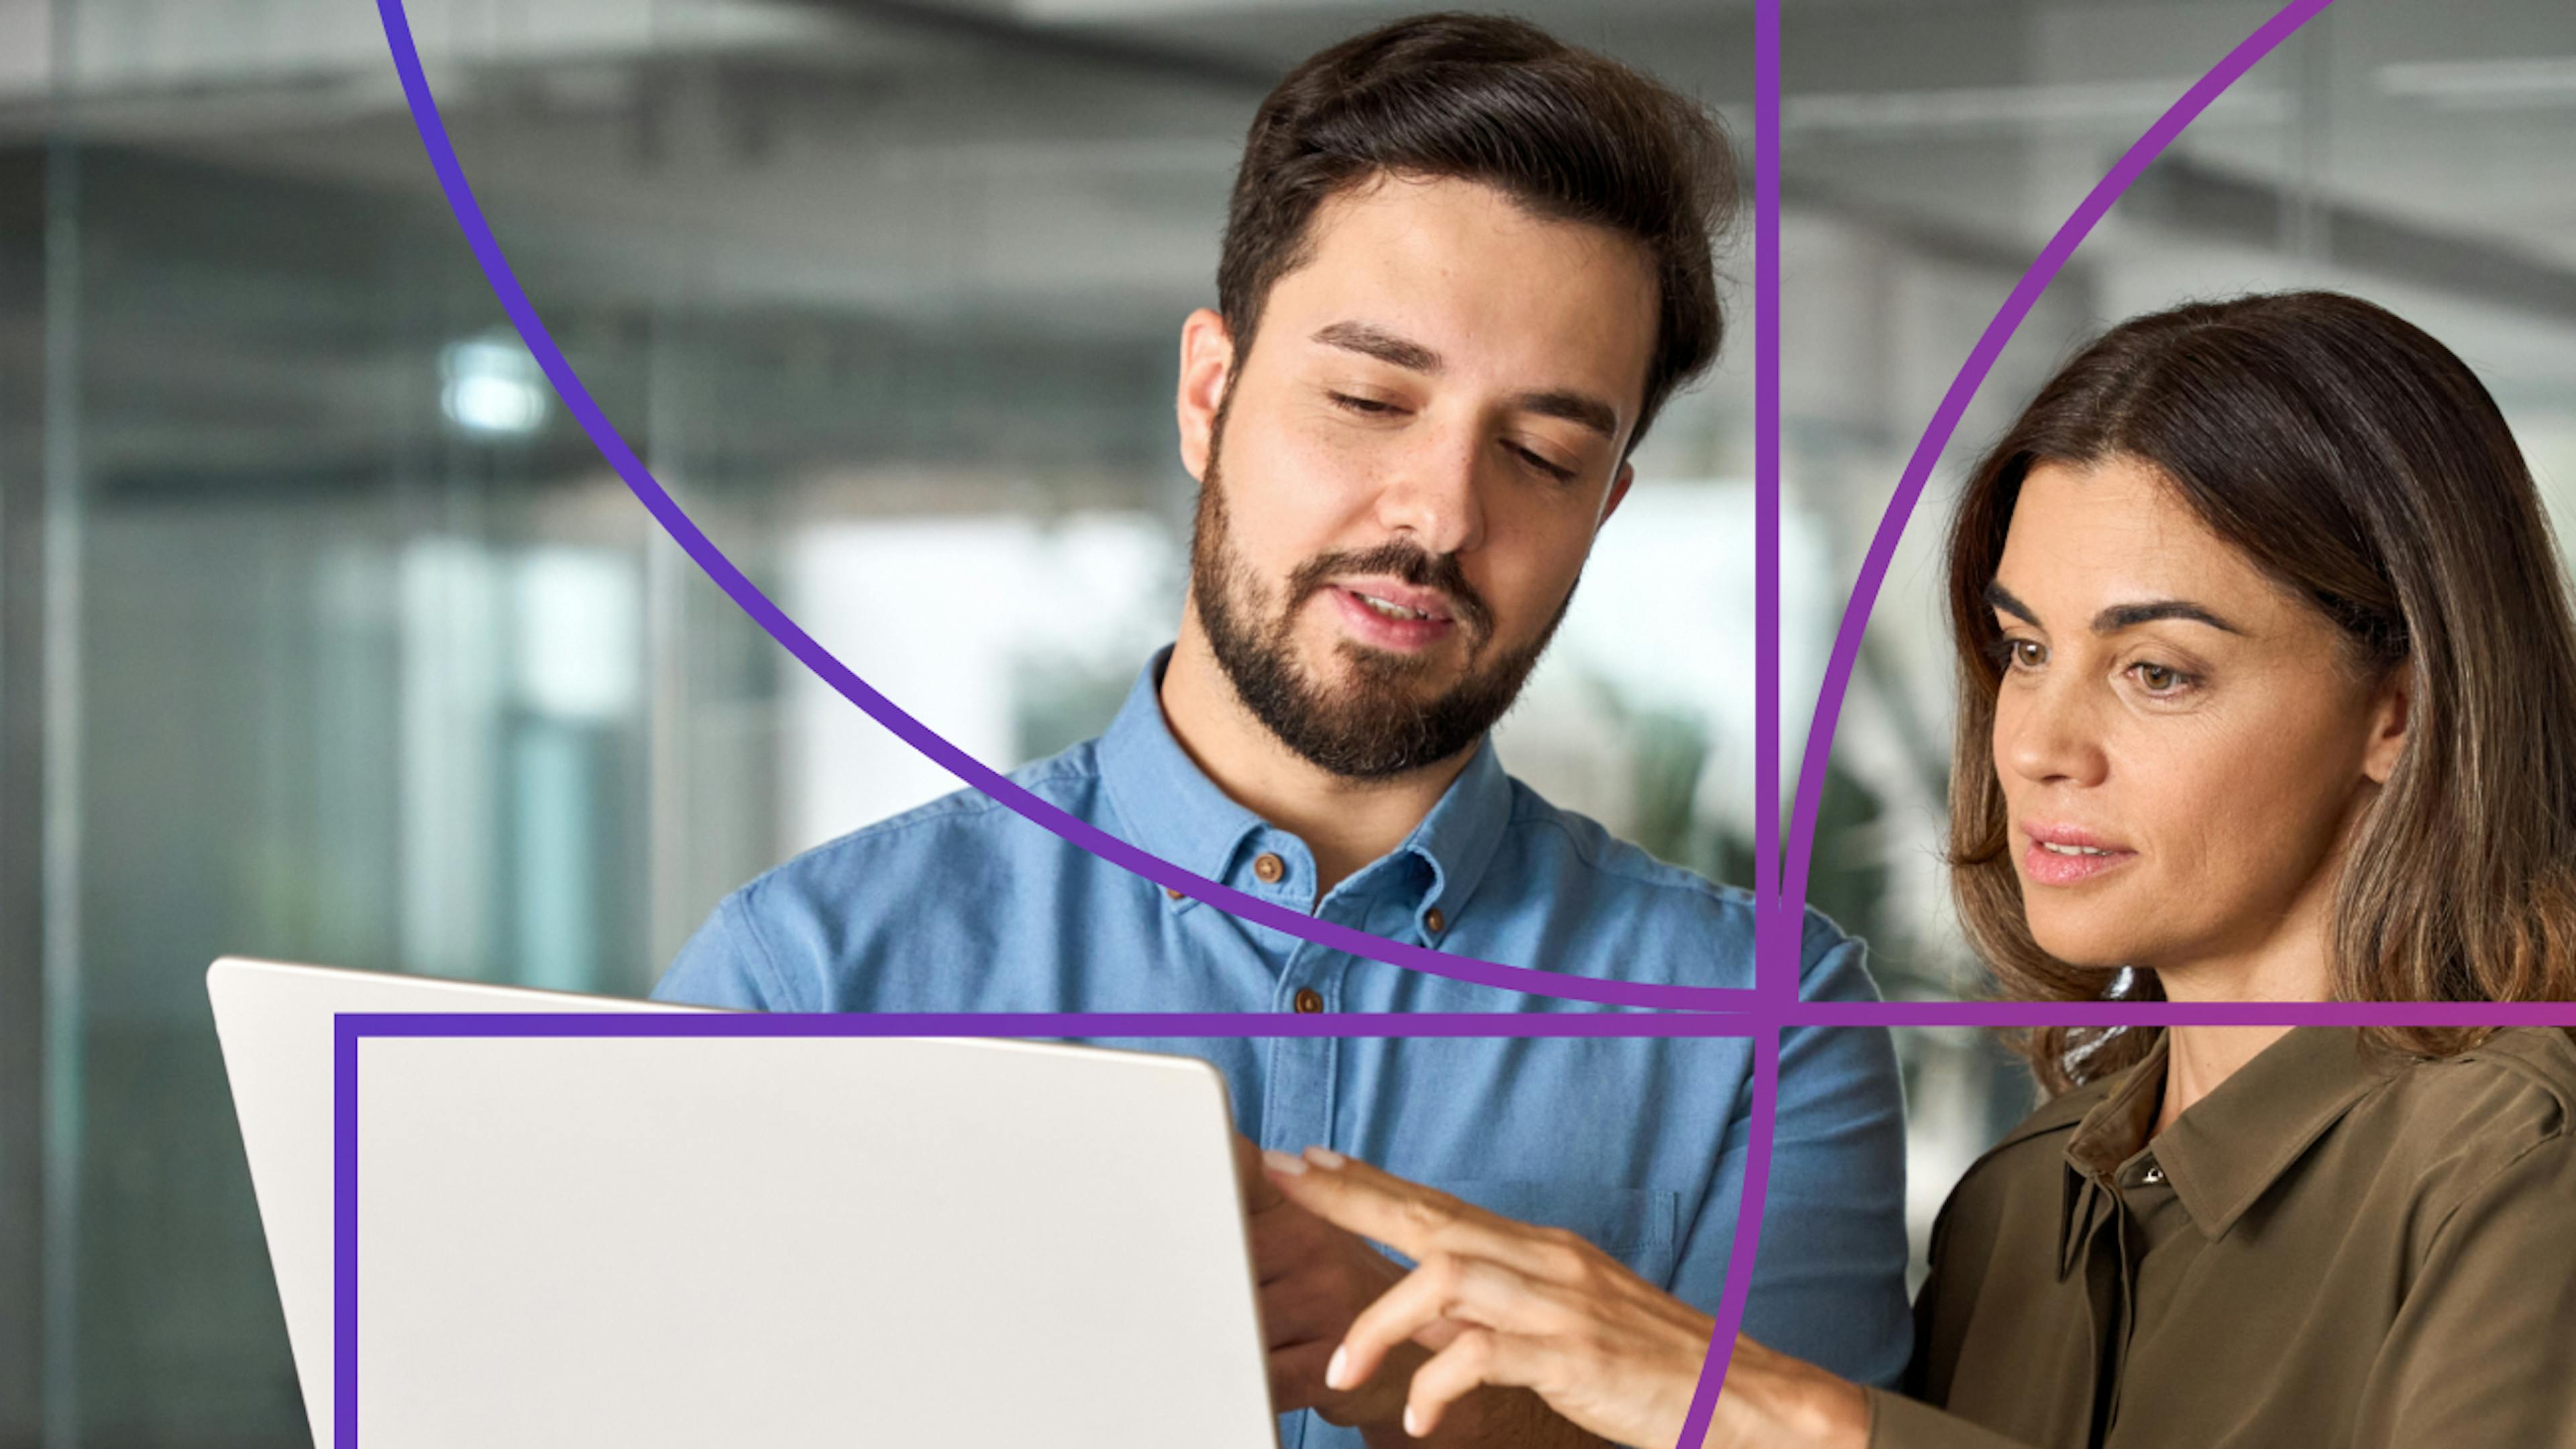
(1569, 135)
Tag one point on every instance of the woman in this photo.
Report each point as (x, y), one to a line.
(2268, 692)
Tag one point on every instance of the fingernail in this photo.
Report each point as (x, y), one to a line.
(1333, 1370)
(1412, 1423)
(1281, 1162)
(1325, 1157)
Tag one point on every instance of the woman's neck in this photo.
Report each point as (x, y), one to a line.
(2198, 1058)
(2289, 966)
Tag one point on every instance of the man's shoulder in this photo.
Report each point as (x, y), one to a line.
(937, 839)
(1553, 838)
(936, 881)
(1627, 878)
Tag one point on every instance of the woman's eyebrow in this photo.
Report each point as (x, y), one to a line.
(2128, 616)
(1999, 597)
(2117, 617)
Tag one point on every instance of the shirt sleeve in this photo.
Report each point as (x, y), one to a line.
(724, 965)
(1897, 1422)
(2483, 1353)
(1829, 1284)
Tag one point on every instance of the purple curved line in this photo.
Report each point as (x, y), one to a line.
(1954, 404)
(1748, 1236)
(737, 586)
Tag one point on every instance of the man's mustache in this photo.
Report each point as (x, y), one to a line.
(1420, 568)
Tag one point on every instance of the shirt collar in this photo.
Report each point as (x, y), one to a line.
(1170, 806)
(2228, 1149)
(1173, 809)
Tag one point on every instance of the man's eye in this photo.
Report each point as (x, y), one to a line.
(1560, 474)
(1365, 406)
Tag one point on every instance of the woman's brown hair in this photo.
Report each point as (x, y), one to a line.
(2360, 464)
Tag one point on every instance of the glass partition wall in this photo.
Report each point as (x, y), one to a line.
(325, 634)
(332, 638)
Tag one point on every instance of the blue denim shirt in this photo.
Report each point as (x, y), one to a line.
(1639, 1145)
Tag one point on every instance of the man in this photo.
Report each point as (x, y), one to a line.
(1463, 267)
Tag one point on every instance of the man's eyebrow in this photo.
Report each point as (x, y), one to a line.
(1581, 409)
(1381, 344)
(1999, 597)
(2128, 616)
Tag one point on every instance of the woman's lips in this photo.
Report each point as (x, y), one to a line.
(2063, 856)
(1373, 627)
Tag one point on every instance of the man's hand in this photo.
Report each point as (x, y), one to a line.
(1315, 1279)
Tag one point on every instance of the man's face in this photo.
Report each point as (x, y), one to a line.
(1404, 474)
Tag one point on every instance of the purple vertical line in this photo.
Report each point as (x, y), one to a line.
(1748, 1236)
(344, 1232)
(1775, 935)
(1945, 421)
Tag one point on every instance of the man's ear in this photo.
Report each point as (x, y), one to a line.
(1207, 360)
(1618, 491)
(2390, 709)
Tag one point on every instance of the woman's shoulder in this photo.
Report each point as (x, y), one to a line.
(2450, 1123)
(2023, 1174)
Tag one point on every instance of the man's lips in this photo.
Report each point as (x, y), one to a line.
(1405, 627)
(1400, 597)
(2065, 855)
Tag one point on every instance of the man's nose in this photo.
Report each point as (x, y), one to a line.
(1435, 491)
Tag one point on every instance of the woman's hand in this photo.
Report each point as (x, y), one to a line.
(1504, 1302)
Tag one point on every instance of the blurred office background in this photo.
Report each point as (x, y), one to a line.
(325, 635)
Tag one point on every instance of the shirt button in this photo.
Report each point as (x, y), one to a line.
(1309, 1000)
(1269, 867)
(1432, 920)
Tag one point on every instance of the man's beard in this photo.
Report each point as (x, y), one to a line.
(1375, 727)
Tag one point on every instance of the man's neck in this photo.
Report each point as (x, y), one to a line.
(1344, 823)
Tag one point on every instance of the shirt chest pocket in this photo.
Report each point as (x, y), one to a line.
(1638, 1226)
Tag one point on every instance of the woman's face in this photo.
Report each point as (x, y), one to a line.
(2181, 741)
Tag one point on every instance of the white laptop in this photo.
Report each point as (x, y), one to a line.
(772, 1240)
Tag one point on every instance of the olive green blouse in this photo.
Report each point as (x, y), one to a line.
(2333, 1250)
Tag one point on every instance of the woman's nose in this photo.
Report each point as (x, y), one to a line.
(2051, 732)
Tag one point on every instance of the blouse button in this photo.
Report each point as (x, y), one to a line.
(1309, 1000)
(2154, 1173)
(1269, 867)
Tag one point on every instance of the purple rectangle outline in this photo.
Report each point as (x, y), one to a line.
(351, 1027)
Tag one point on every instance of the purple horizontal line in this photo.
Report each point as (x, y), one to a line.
(1240, 1025)
(1157, 1024)
(2179, 1013)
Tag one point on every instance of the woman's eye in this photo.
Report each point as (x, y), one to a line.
(2160, 679)
(2025, 653)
